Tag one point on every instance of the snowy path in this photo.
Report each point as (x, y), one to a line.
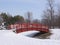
(10, 38)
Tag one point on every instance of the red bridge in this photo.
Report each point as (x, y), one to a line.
(27, 27)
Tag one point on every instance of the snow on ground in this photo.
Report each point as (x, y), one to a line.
(55, 34)
(7, 37)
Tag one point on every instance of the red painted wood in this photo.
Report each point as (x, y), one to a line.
(27, 27)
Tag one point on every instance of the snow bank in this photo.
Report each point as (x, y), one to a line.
(7, 37)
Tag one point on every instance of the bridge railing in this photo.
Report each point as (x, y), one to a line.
(27, 27)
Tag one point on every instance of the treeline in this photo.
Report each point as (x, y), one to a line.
(51, 16)
(9, 19)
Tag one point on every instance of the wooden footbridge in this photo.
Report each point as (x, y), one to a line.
(29, 26)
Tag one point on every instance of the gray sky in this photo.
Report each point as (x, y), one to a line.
(15, 7)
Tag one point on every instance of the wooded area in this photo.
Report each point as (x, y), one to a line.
(50, 17)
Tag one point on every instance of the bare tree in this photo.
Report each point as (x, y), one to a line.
(51, 6)
(36, 21)
(58, 13)
(29, 17)
(49, 14)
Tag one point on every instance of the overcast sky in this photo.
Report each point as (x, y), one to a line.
(15, 7)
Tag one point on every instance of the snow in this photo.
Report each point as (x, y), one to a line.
(29, 33)
(55, 34)
(7, 37)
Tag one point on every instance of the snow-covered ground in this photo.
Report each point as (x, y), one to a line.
(55, 34)
(7, 37)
